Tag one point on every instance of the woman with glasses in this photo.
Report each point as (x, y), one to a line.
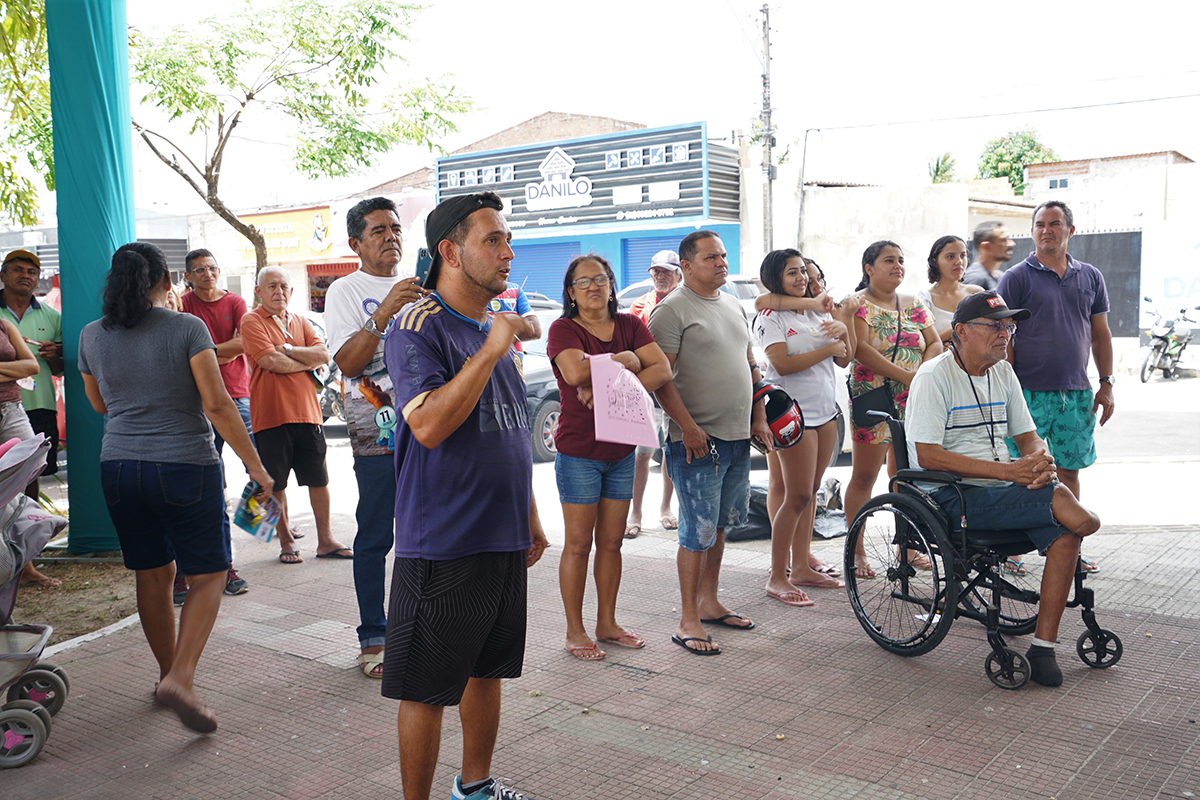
(894, 335)
(947, 263)
(595, 479)
(801, 350)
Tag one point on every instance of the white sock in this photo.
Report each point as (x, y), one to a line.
(1039, 643)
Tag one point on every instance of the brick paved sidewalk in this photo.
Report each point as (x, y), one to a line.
(804, 706)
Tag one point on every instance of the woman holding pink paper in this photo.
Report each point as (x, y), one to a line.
(595, 479)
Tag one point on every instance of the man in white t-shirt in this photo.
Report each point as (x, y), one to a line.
(358, 310)
(961, 405)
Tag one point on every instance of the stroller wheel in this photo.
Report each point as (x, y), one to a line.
(57, 670)
(41, 686)
(22, 737)
(42, 712)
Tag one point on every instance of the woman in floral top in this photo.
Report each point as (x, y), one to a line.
(875, 326)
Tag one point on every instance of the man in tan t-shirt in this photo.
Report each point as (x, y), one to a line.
(283, 348)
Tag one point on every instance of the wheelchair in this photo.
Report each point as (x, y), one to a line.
(908, 611)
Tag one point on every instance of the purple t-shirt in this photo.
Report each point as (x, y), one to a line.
(1053, 346)
(471, 493)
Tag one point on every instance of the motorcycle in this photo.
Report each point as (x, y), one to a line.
(329, 391)
(1167, 343)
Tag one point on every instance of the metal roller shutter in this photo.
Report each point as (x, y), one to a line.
(636, 255)
(540, 267)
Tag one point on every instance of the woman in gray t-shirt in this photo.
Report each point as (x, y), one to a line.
(153, 373)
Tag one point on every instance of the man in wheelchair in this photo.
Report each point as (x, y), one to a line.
(961, 405)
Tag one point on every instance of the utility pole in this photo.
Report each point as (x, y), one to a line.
(768, 133)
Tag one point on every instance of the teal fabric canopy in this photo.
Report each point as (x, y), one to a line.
(93, 154)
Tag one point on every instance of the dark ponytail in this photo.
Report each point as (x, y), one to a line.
(137, 268)
(868, 259)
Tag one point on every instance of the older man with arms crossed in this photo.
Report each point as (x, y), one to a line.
(666, 274)
(359, 309)
(703, 331)
(283, 348)
(466, 525)
(961, 405)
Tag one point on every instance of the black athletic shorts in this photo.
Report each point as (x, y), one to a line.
(296, 445)
(449, 621)
(45, 421)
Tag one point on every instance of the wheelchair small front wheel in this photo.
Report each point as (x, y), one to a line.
(1099, 649)
(1012, 675)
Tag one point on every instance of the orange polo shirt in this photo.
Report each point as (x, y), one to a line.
(278, 399)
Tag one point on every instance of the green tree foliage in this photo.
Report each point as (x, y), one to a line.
(1007, 157)
(320, 64)
(25, 133)
(941, 169)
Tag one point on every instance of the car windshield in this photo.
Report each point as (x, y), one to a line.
(545, 316)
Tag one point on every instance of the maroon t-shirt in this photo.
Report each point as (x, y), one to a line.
(223, 317)
(576, 433)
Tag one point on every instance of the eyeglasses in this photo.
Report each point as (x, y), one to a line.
(198, 270)
(997, 327)
(582, 283)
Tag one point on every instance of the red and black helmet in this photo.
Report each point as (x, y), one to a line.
(784, 417)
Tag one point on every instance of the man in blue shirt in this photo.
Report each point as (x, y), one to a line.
(466, 525)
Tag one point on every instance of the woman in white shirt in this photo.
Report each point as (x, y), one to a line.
(947, 263)
(801, 349)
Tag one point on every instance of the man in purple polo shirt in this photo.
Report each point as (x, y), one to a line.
(466, 525)
(1069, 302)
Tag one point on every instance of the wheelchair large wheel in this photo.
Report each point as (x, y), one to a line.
(906, 610)
(1018, 593)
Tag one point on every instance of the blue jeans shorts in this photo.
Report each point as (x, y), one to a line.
(1011, 507)
(164, 511)
(583, 481)
(711, 497)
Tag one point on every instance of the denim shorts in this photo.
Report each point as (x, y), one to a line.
(710, 496)
(165, 511)
(583, 481)
(1011, 507)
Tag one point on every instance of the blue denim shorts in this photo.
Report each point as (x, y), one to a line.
(710, 496)
(164, 511)
(583, 481)
(1011, 507)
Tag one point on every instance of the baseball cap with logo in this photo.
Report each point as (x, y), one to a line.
(988, 305)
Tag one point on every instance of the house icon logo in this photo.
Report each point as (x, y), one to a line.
(558, 189)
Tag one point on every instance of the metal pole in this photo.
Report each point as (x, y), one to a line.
(803, 175)
(768, 133)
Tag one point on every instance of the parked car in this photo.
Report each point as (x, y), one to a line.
(629, 295)
(541, 389)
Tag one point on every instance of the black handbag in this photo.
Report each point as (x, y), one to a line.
(880, 398)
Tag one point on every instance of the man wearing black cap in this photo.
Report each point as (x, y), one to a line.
(961, 405)
(466, 525)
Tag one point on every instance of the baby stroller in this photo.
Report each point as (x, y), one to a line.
(36, 689)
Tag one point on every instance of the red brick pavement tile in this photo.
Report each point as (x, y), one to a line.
(898, 742)
(925, 779)
(855, 762)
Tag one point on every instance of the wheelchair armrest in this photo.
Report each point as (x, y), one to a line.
(930, 475)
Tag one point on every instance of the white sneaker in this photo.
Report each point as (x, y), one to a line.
(493, 791)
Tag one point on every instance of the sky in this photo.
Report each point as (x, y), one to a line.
(885, 87)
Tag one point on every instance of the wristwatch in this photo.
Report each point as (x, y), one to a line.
(287, 350)
(372, 328)
(1109, 379)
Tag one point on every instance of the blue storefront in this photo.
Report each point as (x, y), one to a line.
(623, 196)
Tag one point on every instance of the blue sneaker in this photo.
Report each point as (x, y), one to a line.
(492, 791)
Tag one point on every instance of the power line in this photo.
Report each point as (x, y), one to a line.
(1002, 113)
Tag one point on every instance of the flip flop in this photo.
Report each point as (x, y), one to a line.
(861, 568)
(829, 582)
(628, 639)
(296, 533)
(295, 554)
(1014, 566)
(669, 522)
(341, 552)
(919, 561)
(731, 615)
(828, 569)
(1087, 565)
(632, 531)
(589, 653)
(792, 598)
(682, 641)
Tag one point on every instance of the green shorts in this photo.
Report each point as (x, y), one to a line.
(1066, 422)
